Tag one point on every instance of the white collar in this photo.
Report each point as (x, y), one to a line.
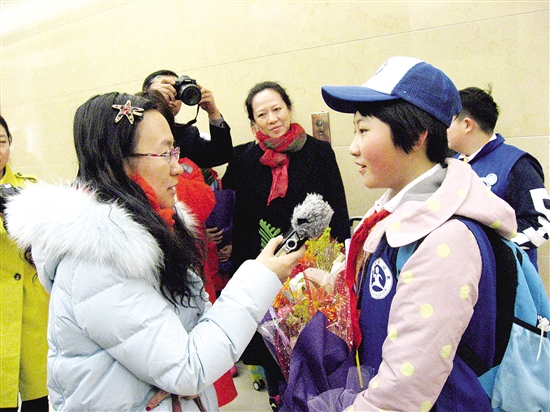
(391, 204)
(470, 158)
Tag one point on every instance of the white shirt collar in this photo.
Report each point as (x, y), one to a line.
(391, 204)
(462, 156)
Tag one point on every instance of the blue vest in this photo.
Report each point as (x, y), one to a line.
(462, 390)
(494, 163)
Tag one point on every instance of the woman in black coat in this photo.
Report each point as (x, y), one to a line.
(270, 177)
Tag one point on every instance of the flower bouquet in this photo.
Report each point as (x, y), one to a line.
(317, 284)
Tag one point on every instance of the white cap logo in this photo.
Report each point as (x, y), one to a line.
(390, 73)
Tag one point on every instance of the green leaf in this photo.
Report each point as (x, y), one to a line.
(267, 232)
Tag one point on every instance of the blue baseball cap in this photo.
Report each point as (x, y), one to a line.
(407, 78)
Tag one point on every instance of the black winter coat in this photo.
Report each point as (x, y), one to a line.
(205, 153)
(313, 169)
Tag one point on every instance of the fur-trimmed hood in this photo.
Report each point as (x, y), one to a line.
(57, 221)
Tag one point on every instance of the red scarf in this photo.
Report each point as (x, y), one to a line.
(167, 214)
(352, 270)
(275, 156)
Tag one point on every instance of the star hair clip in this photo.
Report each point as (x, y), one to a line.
(128, 111)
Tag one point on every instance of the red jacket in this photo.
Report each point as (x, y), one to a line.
(199, 197)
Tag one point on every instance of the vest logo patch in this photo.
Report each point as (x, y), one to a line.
(490, 180)
(380, 279)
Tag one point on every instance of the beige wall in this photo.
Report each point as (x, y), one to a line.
(51, 67)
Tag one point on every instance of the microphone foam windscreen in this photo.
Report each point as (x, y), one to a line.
(312, 217)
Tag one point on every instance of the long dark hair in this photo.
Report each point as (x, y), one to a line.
(161, 105)
(102, 146)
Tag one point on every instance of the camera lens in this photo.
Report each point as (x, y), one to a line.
(190, 94)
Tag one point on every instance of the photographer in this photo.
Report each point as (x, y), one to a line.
(24, 308)
(205, 153)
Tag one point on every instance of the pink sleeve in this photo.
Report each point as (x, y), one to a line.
(433, 304)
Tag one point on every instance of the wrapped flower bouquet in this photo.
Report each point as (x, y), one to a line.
(316, 285)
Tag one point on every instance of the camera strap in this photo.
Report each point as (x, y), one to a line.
(193, 121)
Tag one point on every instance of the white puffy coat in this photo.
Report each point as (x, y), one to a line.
(113, 338)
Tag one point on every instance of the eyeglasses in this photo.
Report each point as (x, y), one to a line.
(173, 154)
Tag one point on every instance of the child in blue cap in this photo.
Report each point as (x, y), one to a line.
(413, 319)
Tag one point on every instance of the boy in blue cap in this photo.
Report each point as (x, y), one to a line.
(413, 319)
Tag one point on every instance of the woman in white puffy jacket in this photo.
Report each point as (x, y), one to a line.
(128, 314)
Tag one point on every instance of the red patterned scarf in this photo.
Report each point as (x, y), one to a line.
(275, 156)
(167, 214)
(352, 266)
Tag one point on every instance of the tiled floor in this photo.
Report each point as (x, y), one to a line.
(248, 398)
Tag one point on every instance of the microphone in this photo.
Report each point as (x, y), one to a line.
(309, 220)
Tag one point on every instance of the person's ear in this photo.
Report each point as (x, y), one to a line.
(421, 140)
(468, 124)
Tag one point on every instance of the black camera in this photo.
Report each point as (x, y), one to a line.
(187, 90)
(6, 191)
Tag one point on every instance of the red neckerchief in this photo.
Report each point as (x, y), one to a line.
(167, 214)
(355, 248)
(275, 156)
